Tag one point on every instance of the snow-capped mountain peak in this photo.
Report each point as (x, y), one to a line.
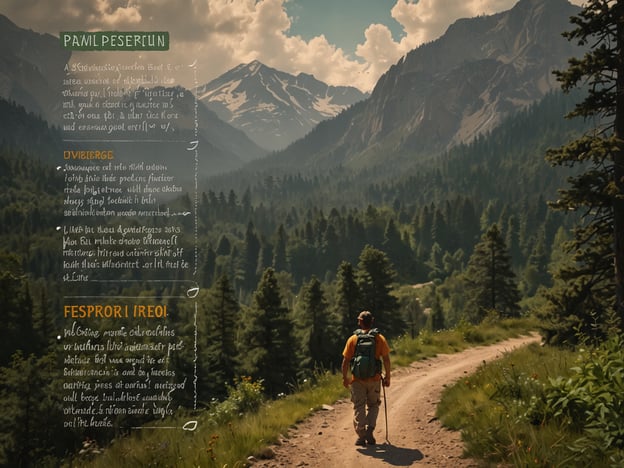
(273, 107)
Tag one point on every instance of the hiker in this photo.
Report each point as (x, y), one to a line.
(365, 381)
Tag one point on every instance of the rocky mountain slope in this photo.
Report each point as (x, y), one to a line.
(272, 107)
(448, 91)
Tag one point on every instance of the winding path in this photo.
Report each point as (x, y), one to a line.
(415, 436)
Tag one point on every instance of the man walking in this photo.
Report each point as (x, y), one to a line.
(365, 386)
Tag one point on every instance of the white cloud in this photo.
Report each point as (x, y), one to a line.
(379, 52)
(116, 16)
(428, 19)
(266, 38)
(220, 34)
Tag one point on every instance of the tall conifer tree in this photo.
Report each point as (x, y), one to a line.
(490, 281)
(312, 319)
(374, 278)
(266, 342)
(280, 261)
(220, 353)
(347, 299)
(592, 289)
(251, 253)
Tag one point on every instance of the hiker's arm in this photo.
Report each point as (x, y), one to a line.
(345, 373)
(387, 368)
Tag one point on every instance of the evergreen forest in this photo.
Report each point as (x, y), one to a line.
(287, 259)
(293, 257)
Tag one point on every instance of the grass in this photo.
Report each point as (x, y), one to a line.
(226, 444)
(498, 410)
(230, 441)
(429, 344)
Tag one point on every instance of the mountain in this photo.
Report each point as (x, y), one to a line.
(31, 68)
(274, 108)
(31, 75)
(221, 147)
(447, 91)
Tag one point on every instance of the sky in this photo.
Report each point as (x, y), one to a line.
(341, 42)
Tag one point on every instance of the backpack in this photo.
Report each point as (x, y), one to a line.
(363, 364)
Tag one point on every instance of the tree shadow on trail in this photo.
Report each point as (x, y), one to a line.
(391, 454)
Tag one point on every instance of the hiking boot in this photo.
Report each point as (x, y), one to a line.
(369, 436)
(360, 441)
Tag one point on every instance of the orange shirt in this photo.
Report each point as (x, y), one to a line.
(381, 349)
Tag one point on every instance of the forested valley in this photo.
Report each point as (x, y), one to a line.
(297, 253)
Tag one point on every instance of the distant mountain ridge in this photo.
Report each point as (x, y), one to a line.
(221, 146)
(447, 91)
(31, 69)
(272, 107)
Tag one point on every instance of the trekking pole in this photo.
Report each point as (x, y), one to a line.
(383, 386)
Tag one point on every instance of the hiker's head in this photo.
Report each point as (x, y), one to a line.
(365, 319)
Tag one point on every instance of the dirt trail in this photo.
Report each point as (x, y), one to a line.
(415, 436)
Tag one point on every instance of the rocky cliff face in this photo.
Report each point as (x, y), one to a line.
(463, 84)
(448, 91)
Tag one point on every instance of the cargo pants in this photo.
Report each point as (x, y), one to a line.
(366, 399)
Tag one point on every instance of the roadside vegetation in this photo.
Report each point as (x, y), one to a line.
(543, 406)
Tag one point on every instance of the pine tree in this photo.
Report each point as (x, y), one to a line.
(489, 214)
(591, 291)
(250, 256)
(313, 330)
(330, 249)
(512, 239)
(266, 344)
(221, 312)
(536, 271)
(224, 247)
(439, 228)
(490, 281)
(398, 252)
(347, 299)
(435, 262)
(280, 262)
(265, 257)
(374, 278)
(208, 267)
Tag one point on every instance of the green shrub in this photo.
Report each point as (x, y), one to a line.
(245, 396)
(493, 411)
(471, 333)
(591, 402)
(542, 406)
